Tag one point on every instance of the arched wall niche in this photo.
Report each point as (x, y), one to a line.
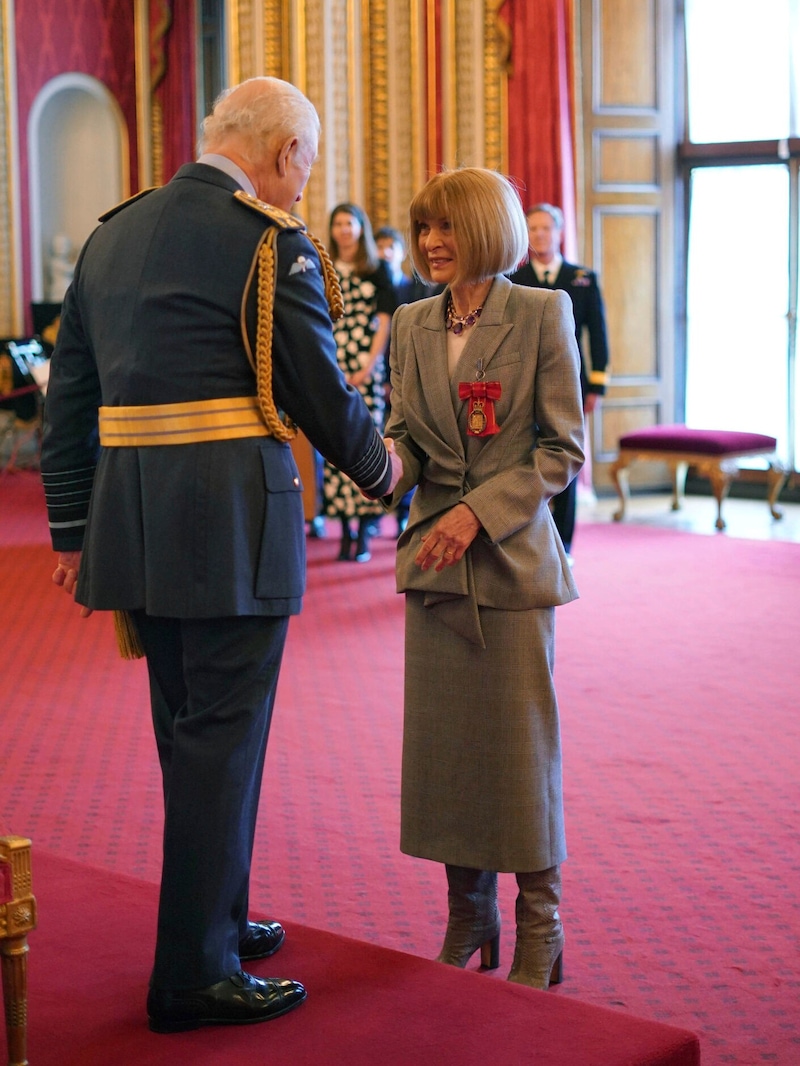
(78, 166)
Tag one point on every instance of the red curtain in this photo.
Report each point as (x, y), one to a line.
(541, 107)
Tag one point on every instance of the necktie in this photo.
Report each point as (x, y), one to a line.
(546, 278)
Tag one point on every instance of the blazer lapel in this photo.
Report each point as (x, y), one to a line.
(430, 344)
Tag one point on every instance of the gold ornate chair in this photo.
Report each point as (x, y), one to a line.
(17, 918)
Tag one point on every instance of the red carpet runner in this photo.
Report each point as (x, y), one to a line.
(366, 1005)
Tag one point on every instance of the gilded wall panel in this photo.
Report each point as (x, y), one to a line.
(469, 82)
(340, 124)
(496, 52)
(318, 81)
(9, 257)
(377, 162)
(405, 113)
(374, 69)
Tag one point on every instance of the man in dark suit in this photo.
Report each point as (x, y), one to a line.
(547, 269)
(195, 334)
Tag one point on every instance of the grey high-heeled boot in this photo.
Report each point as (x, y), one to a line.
(474, 918)
(540, 936)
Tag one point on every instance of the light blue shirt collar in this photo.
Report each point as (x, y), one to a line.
(227, 166)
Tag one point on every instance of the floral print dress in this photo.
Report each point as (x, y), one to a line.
(363, 299)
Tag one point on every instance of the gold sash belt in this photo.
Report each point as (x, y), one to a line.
(181, 423)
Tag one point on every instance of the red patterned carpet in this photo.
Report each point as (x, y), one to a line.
(677, 683)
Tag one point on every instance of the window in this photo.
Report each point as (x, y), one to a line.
(741, 161)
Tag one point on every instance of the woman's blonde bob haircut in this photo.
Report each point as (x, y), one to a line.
(486, 220)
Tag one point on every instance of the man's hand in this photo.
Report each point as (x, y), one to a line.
(66, 575)
(590, 401)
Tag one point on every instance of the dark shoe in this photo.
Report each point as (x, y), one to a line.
(238, 1000)
(261, 940)
(365, 526)
(316, 528)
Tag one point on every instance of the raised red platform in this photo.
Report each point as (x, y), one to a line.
(90, 957)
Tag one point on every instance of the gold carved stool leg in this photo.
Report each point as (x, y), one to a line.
(17, 918)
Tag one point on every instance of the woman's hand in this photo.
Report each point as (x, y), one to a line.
(66, 575)
(361, 377)
(446, 543)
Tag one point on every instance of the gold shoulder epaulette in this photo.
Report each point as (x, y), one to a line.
(275, 214)
(130, 200)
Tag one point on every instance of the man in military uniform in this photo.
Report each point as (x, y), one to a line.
(547, 269)
(195, 335)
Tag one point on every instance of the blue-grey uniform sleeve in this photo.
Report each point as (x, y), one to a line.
(307, 382)
(70, 445)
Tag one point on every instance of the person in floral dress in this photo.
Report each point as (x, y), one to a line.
(362, 334)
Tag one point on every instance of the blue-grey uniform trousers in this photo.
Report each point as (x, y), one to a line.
(212, 687)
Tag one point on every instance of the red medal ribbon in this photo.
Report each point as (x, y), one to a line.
(480, 414)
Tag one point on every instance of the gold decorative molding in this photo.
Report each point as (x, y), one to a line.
(10, 319)
(144, 114)
(417, 94)
(378, 188)
(157, 138)
(497, 57)
(468, 79)
(276, 28)
(298, 65)
(431, 85)
(318, 77)
(397, 84)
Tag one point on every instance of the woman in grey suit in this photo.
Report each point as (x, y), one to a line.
(487, 417)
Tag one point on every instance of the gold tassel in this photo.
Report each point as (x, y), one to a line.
(127, 636)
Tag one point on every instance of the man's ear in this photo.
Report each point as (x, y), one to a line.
(284, 152)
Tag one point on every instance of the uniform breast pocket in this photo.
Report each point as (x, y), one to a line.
(282, 560)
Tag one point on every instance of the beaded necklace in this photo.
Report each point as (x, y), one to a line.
(458, 323)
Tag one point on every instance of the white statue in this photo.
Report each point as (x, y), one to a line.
(62, 267)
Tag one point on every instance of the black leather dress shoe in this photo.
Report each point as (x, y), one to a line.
(238, 1000)
(261, 940)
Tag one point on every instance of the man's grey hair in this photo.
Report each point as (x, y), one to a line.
(259, 114)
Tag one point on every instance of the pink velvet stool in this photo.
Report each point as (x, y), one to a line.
(713, 452)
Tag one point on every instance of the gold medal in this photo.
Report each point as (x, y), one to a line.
(477, 420)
